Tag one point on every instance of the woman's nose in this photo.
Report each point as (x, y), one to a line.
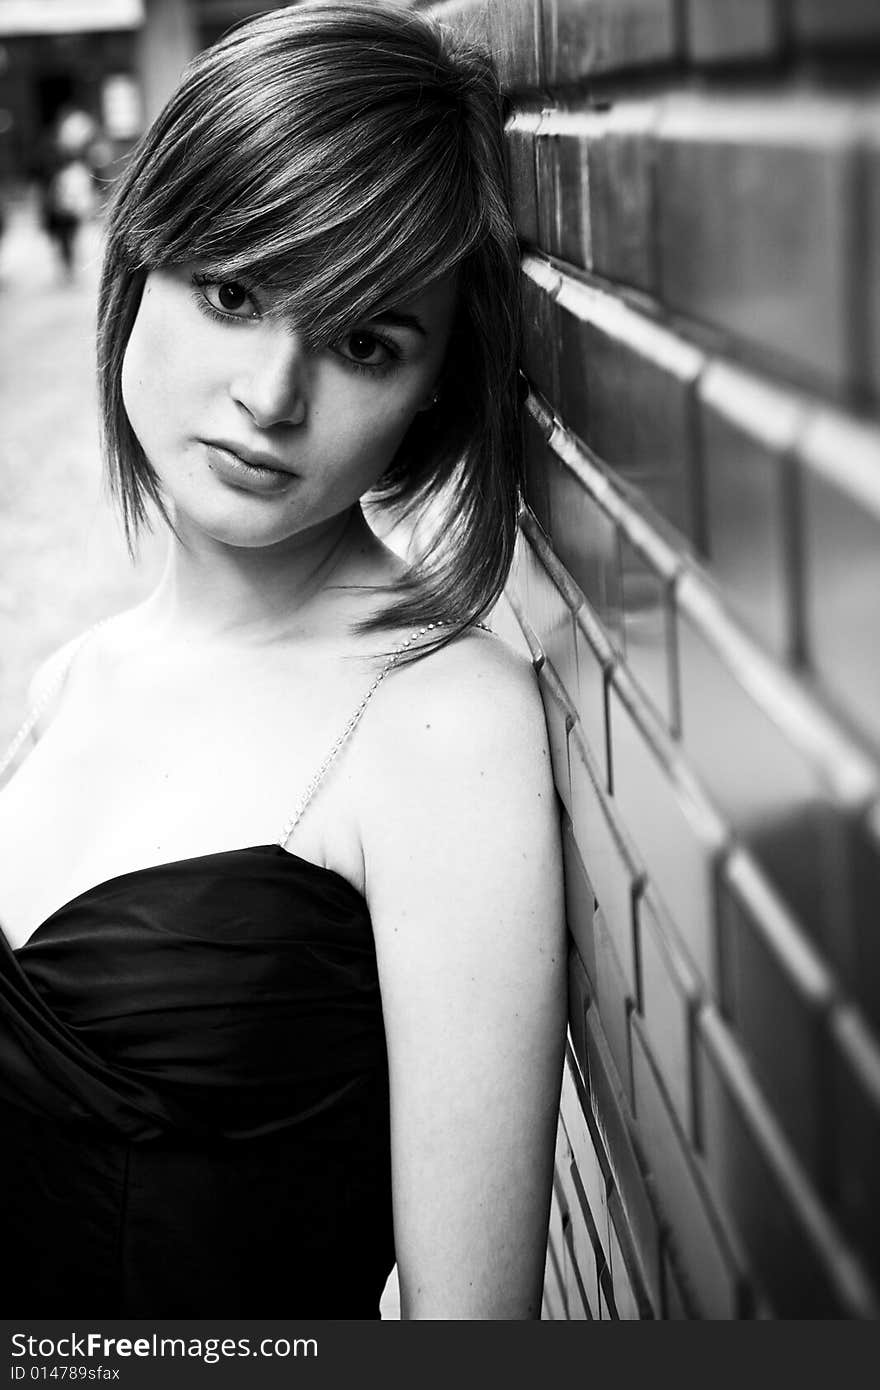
(273, 384)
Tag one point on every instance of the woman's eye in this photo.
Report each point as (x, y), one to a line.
(230, 298)
(365, 348)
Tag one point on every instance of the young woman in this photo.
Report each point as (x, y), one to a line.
(283, 971)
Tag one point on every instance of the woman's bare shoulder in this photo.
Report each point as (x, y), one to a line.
(475, 694)
(459, 742)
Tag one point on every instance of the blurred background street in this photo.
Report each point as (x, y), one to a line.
(63, 561)
(72, 103)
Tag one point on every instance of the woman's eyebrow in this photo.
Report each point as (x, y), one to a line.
(394, 318)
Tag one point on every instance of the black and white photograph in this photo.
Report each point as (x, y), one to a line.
(439, 670)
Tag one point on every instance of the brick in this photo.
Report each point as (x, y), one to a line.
(545, 182)
(668, 995)
(863, 882)
(586, 540)
(554, 1306)
(784, 813)
(554, 1302)
(580, 903)
(580, 992)
(510, 622)
(840, 482)
(549, 600)
(565, 138)
(557, 640)
(583, 38)
(582, 1241)
(709, 1272)
(572, 239)
(517, 594)
(626, 388)
(503, 620)
(724, 31)
(631, 1299)
(870, 285)
(613, 997)
(586, 1242)
(648, 569)
(556, 1222)
(815, 21)
(674, 831)
(582, 1291)
(614, 1122)
(537, 429)
(561, 1157)
(776, 994)
(594, 659)
(854, 1128)
(562, 1149)
(621, 199)
(748, 429)
(562, 181)
(675, 1302)
(613, 873)
(539, 285)
(519, 134)
(573, 307)
(587, 1156)
(756, 215)
(607, 1306)
(558, 715)
(797, 1252)
(514, 37)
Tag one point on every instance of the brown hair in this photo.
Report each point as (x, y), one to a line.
(347, 156)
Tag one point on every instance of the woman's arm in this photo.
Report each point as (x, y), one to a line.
(464, 884)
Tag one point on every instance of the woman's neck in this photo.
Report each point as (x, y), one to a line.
(211, 590)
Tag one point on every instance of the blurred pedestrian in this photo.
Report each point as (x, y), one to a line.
(69, 200)
(74, 130)
(66, 182)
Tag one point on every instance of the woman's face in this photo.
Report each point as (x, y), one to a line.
(254, 440)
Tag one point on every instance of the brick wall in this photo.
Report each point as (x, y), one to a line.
(697, 191)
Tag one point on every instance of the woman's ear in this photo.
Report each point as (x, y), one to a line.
(431, 401)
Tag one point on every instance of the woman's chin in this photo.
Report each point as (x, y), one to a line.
(240, 526)
(244, 524)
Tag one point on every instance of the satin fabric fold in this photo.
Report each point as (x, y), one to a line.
(203, 1043)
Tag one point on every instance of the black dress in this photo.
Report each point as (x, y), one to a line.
(194, 1098)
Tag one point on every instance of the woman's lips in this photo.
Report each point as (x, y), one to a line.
(254, 457)
(250, 471)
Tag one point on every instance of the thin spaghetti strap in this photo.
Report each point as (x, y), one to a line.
(48, 695)
(300, 809)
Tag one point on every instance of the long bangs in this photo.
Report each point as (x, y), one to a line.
(317, 189)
